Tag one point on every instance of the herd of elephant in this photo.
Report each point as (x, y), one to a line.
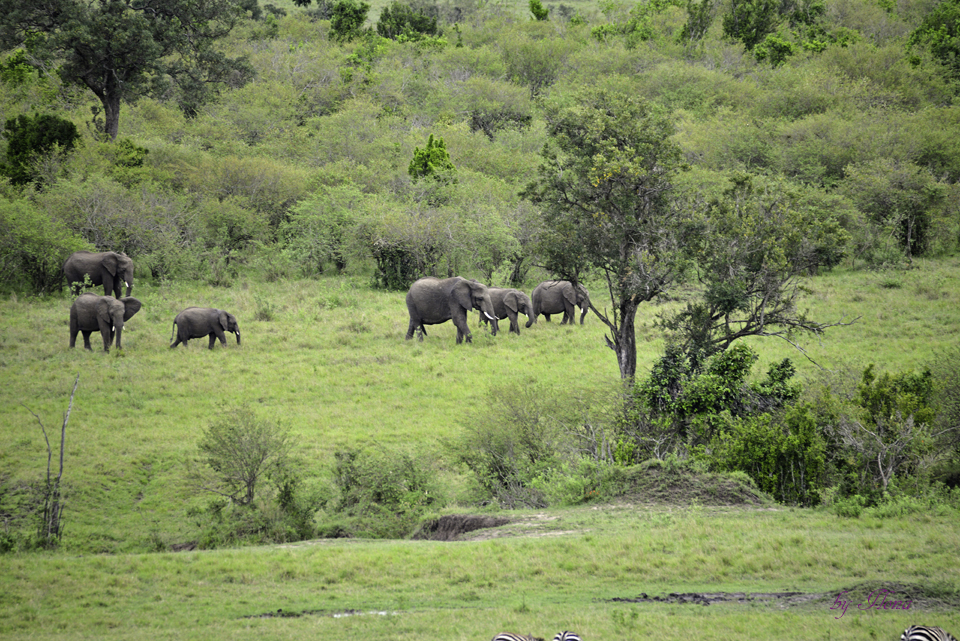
(107, 314)
(430, 301)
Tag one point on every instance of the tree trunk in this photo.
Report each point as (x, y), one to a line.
(111, 117)
(624, 338)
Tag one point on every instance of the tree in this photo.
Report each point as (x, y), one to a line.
(122, 49)
(539, 11)
(753, 245)
(604, 186)
(29, 138)
(433, 161)
(749, 21)
(401, 21)
(347, 20)
(240, 450)
(940, 33)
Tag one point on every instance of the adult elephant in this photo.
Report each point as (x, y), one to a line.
(197, 322)
(110, 269)
(432, 301)
(91, 312)
(560, 297)
(508, 303)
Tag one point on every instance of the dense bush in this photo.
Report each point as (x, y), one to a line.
(33, 248)
(384, 493)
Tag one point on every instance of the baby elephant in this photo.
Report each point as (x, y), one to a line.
(197, 322)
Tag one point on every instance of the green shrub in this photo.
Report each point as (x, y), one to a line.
(404, 22)
(33, 248)
(29, 138)
(384, 493)
(346, 21)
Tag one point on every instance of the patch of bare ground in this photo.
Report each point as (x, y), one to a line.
(871, 595)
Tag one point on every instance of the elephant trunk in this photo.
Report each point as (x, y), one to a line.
(238, 337)
(531, 319)
(116, 332)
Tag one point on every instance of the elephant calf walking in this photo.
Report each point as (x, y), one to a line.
(197, 322)
(509, 303)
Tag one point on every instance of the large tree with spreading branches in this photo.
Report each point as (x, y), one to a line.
(122, 49)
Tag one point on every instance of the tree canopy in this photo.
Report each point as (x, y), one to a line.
(122, 49)
(604, 188)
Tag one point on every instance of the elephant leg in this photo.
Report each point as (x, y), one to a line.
(514, 325)
(411, 328)
(213, 339)
(86, 339)
(547, 317)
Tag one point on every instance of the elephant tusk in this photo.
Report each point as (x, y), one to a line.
(489, 316)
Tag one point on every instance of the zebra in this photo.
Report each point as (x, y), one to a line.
(509, 636)
(925, 633)
(566, 635)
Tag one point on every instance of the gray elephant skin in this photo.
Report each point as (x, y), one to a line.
(432, 301)
(509, 303)
(110, 269)
(560, 297)
(197, 322)
(91, 312)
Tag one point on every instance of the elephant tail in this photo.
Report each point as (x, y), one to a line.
(173, 330)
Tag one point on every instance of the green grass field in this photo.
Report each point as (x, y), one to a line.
(328, 359)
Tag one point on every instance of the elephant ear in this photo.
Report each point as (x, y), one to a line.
(111, 262)
(103, 309)
(511, 301)
(131, 306)
(570, 294)
(463, 294)
(224, 321)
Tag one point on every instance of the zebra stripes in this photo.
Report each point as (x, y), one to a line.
(566, 635)
(925, 633)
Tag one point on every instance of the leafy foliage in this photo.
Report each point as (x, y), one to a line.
(603, 185)
(752, 248)
(29, 138)
(400, 21)
(385, 493)
(432, 161)
(939, 32)
(347, 20)
(33, 248)
(243, 452)
(138, 44)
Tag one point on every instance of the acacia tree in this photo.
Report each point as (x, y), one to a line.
(604, 187)
(121, 49)
(753, 246)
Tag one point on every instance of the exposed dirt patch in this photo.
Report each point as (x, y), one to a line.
(452, 526)
(184, 547)
(708, 598)
(877, 595)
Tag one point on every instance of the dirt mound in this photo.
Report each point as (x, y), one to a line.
(658, 484)
(448, 528)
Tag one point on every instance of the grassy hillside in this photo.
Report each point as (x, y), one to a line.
(328, 359)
